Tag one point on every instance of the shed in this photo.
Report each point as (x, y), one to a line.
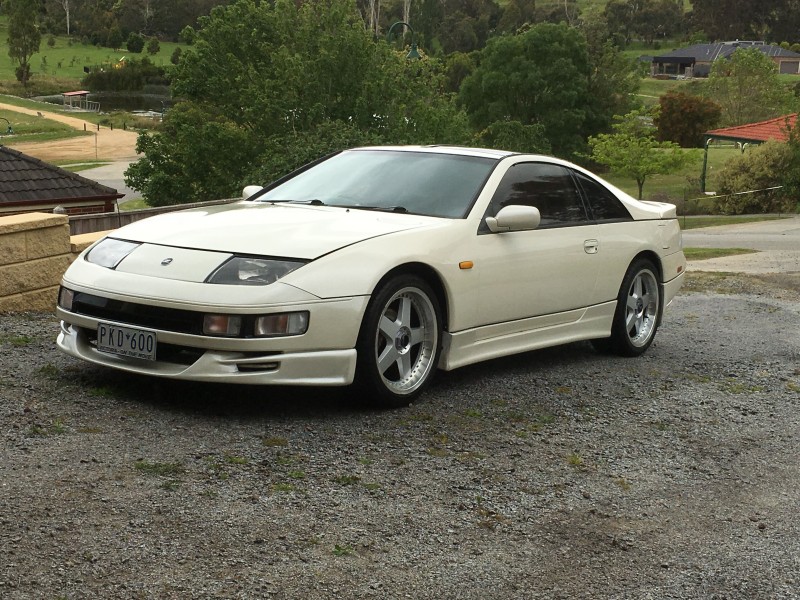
(79, 100)
(28, 184)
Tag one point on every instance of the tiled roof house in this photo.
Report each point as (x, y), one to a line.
(696, 61)
(28, 184)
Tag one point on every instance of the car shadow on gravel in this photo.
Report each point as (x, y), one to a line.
(220, 400)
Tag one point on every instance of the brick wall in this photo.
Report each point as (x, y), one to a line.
(35, 250)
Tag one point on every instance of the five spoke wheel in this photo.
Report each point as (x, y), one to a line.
(400, 340)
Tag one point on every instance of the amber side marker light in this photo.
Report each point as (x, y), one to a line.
(465, 265)
(680, 269)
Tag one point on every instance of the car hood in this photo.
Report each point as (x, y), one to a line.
(265, 229)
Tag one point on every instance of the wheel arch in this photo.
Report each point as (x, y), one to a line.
(430, 276)
(655, 259)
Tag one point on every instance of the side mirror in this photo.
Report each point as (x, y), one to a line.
(250, 190)
(514, 217)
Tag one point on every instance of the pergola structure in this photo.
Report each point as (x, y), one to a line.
(751, 133)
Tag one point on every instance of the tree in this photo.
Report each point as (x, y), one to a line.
(746, 184)
(538, 76)
(135, 43)
(153, 45)
(748, 88)
(115, 38)
(268, 86)
(65, 5)
(735, 19)
(684, 118)
(24, 38)
(632, 150)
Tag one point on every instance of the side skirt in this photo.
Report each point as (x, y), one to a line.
(493, 341)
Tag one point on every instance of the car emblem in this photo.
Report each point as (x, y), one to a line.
(165, 262)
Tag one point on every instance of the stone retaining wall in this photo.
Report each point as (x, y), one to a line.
(35, 250)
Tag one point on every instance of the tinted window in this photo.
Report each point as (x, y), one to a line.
(426, 183)
(604, 205)
(550, 188)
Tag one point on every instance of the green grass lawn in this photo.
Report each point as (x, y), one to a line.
(30, 128)
(699, 221)
(681, 186)
(707, 253)
(66, 59)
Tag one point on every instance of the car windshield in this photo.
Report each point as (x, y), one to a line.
(425, 183)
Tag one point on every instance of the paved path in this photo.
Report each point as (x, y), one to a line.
(113, 175)
(777, 242)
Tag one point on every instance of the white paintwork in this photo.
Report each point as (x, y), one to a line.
(525, 289)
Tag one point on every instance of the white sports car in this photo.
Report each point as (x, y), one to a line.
(378, 266)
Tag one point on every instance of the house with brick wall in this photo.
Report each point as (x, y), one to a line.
(696, 61)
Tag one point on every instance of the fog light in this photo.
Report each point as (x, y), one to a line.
(224, 325)
(295, 323)
(65, 298)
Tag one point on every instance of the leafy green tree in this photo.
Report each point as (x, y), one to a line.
(539, 76)
(153, 45)
(24, 37)
(267, 79)
(736, 19)
(748, 88)
(790, 178)
(684, 118)
(135, 43)
(746, 183)
(115, 38)
(516, 137)
(632, 150)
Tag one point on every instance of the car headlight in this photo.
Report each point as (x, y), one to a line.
(244, 270)
(110, 252)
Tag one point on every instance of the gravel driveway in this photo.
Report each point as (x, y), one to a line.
(554, 474)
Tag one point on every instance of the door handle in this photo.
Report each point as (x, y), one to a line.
(591, 246)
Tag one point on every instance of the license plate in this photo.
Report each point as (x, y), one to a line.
(126, 341)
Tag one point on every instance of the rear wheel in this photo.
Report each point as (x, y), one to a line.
(399, 343)
(637, 313)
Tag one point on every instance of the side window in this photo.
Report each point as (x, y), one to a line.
(550, 188)
(604, 205)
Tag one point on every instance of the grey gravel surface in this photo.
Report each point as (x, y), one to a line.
(554, 474)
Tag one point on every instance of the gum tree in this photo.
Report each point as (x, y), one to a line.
(24, 37)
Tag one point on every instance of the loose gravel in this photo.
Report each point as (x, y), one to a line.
(554, 474)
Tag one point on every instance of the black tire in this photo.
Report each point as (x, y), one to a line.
(399, 342)
(638, 312)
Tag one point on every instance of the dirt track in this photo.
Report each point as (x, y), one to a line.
(106, 144)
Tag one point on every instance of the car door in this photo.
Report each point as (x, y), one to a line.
(546, 271)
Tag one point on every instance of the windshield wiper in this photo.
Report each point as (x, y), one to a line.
(312, 202)
(395, 209)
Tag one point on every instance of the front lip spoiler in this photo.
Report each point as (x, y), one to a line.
(313, 368)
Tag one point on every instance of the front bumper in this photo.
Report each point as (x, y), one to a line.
(320, 368)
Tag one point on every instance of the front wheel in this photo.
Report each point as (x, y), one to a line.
(399, 343)
(637, 313)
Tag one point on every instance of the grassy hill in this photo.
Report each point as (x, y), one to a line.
(59, 68)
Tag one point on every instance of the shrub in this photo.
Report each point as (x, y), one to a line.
(130, 75)
(684, 118)
(135, 43)
(153, 46)
(756, 170)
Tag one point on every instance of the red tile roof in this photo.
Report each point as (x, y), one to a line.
(774, 129)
